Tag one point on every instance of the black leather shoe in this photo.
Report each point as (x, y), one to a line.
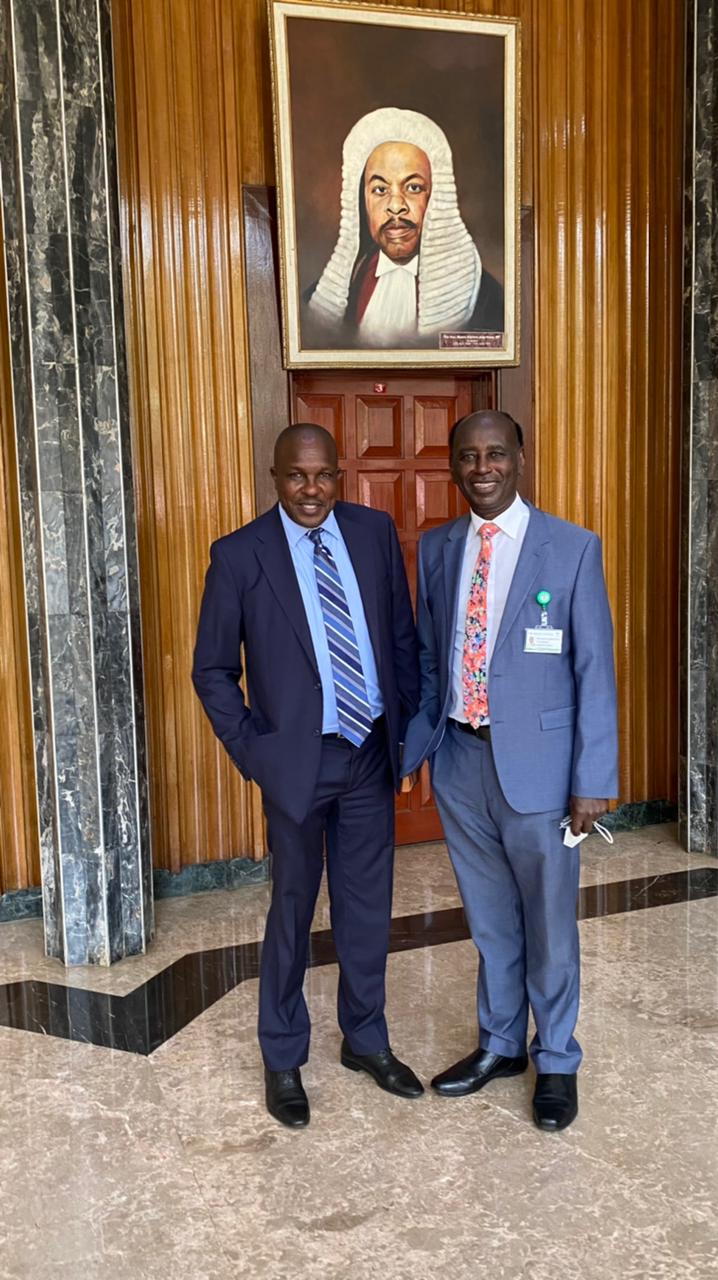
(388, 1071)
(286, 1099)
(555, 1101)
(472, 1073)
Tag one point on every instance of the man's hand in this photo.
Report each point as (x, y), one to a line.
(584, 812)
(409, 782)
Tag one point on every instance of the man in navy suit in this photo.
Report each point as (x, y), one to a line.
(518, 718)
(315, 593)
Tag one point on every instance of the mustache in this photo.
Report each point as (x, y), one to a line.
(405, 223)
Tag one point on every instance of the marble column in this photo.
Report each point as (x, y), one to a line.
(699, 549)
(64, 300)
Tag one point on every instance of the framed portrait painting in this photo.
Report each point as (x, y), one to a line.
(397, 144)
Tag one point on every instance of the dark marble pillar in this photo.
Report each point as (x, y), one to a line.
(699, 549)
(61, 240)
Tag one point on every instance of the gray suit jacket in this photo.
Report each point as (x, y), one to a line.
(553, 716)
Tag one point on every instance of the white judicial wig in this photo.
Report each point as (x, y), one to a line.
(449, 274)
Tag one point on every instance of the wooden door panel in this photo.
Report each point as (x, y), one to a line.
(384, 491)
(379, 422)
(392, 437)
(434, 417)
(327, 411)
(437, 499)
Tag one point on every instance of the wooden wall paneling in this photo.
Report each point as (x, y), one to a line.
(269, 381)
(179, 71)
(253, 77)
(19, 835)
(667, 264)
(607, 197)
(515, 386)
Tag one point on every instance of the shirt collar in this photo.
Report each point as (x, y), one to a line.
(385, 265)
(509, 521)
(295, 532)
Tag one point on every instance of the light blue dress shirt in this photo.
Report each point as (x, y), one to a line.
(302, 551)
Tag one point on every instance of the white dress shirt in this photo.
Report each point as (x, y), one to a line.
(391, 314)
(507, 544)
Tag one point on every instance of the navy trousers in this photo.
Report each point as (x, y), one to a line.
(352, 818)
(519, 885)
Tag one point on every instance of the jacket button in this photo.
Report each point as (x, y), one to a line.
(317, 684)
(317, 733)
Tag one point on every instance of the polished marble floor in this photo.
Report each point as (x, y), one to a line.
(161, 1163)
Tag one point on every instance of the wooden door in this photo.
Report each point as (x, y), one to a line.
(392, 432)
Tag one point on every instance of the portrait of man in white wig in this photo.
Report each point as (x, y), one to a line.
(405, 269)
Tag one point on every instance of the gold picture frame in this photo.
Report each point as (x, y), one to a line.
(416, 266)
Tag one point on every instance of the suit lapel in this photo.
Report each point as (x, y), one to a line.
(276, 560)
(362, 553)
(453, 554)
(531, 557)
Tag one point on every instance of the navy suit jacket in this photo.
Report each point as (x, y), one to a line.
(252, 601)
(553, 716)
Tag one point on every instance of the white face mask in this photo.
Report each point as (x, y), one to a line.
(570, 840)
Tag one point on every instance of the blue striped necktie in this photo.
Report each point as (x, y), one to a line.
(353, 710)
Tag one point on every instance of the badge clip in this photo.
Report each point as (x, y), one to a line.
(543, 598)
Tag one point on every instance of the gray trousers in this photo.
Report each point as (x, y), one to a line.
(519, 885)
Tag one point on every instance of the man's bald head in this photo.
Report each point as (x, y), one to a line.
(305, 432)
(487, 416)
(305, 473)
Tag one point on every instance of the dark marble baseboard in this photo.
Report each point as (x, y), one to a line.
(641, 813)
(20, 904)
(202, 877)
(26, 904)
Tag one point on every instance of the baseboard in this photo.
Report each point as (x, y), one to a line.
(202, 877)
(20, 904)
(641, 813)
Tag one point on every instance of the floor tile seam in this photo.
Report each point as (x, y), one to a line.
(631, 1017)
(182, 1158)
(643, 1014)
(207, 1207)
(629, 1183)
(211, 1207)
(634, 1016)
(174, 1116)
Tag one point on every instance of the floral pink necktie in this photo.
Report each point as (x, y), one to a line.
(476, 698)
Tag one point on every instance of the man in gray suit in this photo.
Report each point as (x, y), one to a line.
(518, 718)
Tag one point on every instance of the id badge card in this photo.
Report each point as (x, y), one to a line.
(543, 640)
